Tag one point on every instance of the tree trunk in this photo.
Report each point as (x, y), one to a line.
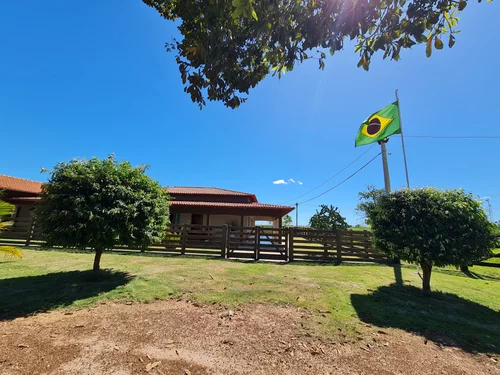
(426, 278)
(464, 268)
(97, 259)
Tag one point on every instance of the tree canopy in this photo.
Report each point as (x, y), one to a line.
(367, 200)
(431, 227)
(287, 221)
(328, 218)
(229, 46)
(99, 204)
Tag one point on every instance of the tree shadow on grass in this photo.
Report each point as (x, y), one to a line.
(444, 318)
(28, 295)
(469, 274)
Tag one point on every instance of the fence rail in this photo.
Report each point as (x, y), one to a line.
(257, 243)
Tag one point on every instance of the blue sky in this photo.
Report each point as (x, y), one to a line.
(83, 81)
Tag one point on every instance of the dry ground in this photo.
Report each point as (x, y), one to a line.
(179, 337)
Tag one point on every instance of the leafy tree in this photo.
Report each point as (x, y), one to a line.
(6, 210)
(367, 200)
(99, 204)
(431, 227)
(287, 221)
(328, 218)
(229, 46)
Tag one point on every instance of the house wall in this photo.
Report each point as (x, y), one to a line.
(24, 210)
(248, 221)
(226, 219)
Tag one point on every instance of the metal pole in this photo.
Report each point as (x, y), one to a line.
(490, 212)
(403, 141)
(296, 214)
(385, 165)
(387, 182)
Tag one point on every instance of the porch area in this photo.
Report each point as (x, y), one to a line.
(225, 213)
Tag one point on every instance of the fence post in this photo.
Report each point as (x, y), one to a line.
(291, 233)
(257, 242)
(285, 236)
(325, 246)
(183, 239)
(339, 246)
(224, 241)
(30, 231)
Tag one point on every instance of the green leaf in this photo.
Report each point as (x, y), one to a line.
(366, 63)
(428, 47)
(360, 63)
(422, 38)
(438, 43)
(6, 209)
(451, 41)
(254, 15)
(462, 5)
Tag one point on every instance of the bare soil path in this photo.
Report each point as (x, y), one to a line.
(178, 337)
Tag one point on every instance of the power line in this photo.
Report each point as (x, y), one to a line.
(340, 183)
(453, 136)
(331, 178)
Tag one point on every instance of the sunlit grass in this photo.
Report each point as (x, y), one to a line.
(334, 295)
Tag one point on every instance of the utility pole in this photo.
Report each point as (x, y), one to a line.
(402, 141)
(297, 214)
(490, 211)
(385, 165)
(387, 183)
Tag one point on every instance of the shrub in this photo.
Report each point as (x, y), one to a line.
(431, 227)
(99, 204)
(328, 218)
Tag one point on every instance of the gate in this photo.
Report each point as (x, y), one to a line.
(258, 243)
(272, 244)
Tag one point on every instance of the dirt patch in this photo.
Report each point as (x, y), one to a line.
(177, 337)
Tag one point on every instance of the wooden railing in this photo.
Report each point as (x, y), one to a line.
(257, 243)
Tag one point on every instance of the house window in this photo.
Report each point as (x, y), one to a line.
(175, 218)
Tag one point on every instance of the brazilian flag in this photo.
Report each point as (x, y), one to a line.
(379, 126)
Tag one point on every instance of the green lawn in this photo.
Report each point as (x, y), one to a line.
(464, 310)
(494, 259)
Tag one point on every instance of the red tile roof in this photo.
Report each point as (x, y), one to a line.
(203, 190)
(20, 184)
(254, 205)
(226, 204)
(34, 187)
(177, 203)
(189, 190)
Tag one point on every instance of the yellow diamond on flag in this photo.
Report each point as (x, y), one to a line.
(379, 125)
(375, 125)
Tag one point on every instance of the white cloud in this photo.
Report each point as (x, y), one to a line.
(280, 182)
(287, 182)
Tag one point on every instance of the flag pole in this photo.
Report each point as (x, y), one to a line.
(403, 141)
(385, 165)
(387, 183)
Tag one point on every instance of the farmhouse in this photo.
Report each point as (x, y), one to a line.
(189, 205)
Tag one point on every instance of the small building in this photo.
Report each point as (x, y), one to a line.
(189, 205)
(214, 206)
(22, 193)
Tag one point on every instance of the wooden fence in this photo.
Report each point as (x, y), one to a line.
(257, 243)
